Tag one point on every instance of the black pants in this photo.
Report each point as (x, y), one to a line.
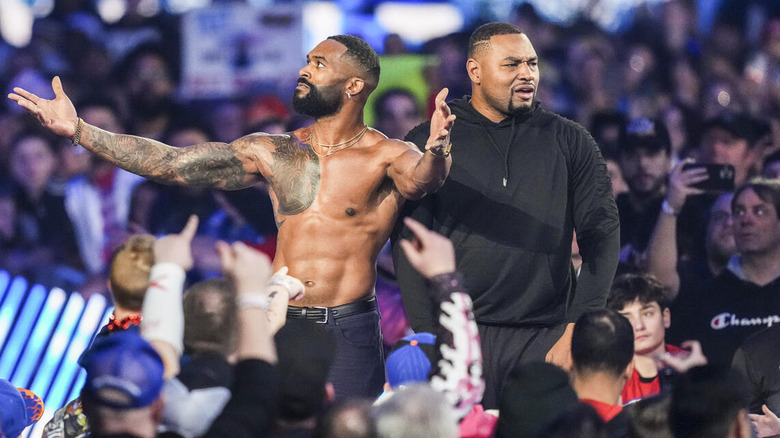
(504, 347)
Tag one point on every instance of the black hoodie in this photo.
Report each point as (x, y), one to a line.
(516, 191)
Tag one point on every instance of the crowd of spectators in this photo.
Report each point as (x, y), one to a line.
(658, 96)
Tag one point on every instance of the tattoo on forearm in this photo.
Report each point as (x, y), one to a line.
(296, 174)
(208, 164)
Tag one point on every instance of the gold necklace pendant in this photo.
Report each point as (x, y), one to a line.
(343, 145)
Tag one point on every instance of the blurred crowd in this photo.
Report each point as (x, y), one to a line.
(658, 96)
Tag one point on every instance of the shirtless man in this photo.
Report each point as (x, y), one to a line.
(337, 187)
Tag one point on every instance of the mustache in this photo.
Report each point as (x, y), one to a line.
(305, 82)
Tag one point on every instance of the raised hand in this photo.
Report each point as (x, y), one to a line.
(681, 184)
(177, 248)
(58, 115)
(429, 253)
(247, 268)
(441, 125)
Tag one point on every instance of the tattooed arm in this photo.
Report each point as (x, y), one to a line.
(221, 165)
(415, 175)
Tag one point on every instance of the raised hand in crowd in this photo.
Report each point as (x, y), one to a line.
(766, 425)
(429, 252)
(163, 315)
(682, 362)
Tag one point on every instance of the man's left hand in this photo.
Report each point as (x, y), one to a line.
(560, 353)
(441, 124)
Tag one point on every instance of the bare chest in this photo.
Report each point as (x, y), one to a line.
(348, 183)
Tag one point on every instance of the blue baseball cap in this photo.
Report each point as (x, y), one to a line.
(19, 408)
(123, 371)
(411, 359)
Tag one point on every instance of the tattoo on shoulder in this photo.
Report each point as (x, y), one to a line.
(296, 174)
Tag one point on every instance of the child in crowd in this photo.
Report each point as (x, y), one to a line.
(641, 299)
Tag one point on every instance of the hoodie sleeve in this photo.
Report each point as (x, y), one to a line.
(419, 306)
(596, 223)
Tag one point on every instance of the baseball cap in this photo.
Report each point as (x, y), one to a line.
(19, 408)
(739, 125)
(411, 359)
(642, 132)
(123, 371)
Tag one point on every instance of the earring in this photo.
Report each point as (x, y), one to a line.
(349, 96)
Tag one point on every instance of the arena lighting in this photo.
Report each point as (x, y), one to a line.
(16, 22)
(419, 22)
(42, 334)
(320, 20)
(148, 8)
(182, 6)
(111, 11)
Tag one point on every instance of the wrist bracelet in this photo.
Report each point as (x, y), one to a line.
(77, 136)
(667, 209)
(445, 151)
(253, 300)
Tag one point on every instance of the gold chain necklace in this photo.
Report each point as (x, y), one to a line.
(343, 145)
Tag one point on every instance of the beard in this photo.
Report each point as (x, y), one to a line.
(319, 101)
(521, 110)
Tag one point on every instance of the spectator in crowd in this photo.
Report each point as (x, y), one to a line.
(641, 299)
(98, 202)
(46, 251)
(128, 280)
(19, 408)
(519, 281)
(645, 160)
(758, 360)
(745, 297)
(709, 402)
(419, 411)
(663, 258)
(536, 396)
(649, 417)
(602, 349)
(396, 112)
(730, 138)
(304, 391)
(300, 174)
(349, 418)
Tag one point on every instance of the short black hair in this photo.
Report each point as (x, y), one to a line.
(602, 341)
(641, 287)
(765, 188)
(363, 54)
(480, 38)
(706, 402)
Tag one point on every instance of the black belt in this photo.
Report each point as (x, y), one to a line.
(322, 314)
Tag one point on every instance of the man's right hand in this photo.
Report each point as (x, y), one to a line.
(681, 184)
(58, 115)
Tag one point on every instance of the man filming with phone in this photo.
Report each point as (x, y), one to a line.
(645, 159)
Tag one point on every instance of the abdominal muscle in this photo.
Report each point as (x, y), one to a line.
(335, 260)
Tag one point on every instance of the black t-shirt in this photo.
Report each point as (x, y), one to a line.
(731, 310)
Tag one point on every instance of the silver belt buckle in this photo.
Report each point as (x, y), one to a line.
(325, 309)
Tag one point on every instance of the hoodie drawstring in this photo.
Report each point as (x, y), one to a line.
(509, 146)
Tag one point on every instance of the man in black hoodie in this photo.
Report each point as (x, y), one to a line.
(522, 180)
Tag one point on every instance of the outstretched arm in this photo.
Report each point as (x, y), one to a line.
(221, 165)
(415, 174)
